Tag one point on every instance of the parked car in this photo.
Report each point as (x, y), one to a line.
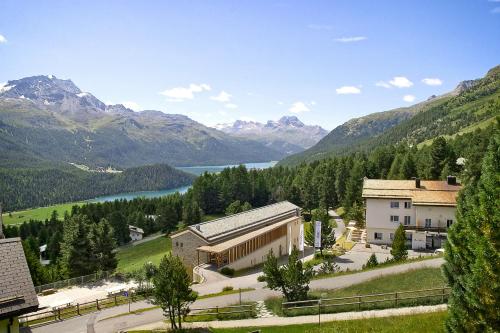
(439, 251)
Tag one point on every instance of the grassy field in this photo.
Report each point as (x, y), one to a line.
(131, 258)
(425, 278)
(40, 213)
(428, 322)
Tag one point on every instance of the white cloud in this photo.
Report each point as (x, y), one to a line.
(432, 81)
(179, 94)
(320, 27)
(299, 107)
(231, 106)
(408, 98)
(401, 82)
(383, 84)
(3, 39)
(313, 103)
(345, 90)
(132, 105)
(280, 103)
(350, 39)
(223, 97)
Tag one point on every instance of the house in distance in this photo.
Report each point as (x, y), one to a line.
(426, 208)
(241, 240)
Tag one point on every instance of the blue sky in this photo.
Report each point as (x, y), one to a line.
(217, 61)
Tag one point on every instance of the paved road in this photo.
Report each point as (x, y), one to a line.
(281, 321)
(79, 324)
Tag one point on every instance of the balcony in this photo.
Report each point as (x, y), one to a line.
(421, 228)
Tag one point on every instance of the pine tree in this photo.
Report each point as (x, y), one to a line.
(37, 271)
(399, 251)
(119, 224)
(104, 244)
(472, 254)
(77, 247)
(372, 261)
(167, 218)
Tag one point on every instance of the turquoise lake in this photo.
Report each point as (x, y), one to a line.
(197, 170)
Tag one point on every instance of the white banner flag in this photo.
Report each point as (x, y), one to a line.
(301, 237)
(317, 234)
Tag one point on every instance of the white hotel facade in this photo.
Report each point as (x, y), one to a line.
(426, 209)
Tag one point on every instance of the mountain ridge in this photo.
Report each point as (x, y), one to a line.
(52, 119)
(413, 124)
(287, 134)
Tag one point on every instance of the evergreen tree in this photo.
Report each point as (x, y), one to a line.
(104, 244)
(233, 208)
(327, 233)
(37, 271)
(472, 252)
(439, 156)
(167, 218)
(372, 261)
(119, 224)
(399, 251)
(395, 170)
(408, 167)
(77, 247)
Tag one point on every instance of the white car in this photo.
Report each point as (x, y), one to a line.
(439, 251)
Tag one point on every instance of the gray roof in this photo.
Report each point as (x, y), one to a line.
(17, 293)
(251, 219)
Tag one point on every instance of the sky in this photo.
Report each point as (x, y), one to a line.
(218, 61)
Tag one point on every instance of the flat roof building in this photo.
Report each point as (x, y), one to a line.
(240, 240)
(426, 208)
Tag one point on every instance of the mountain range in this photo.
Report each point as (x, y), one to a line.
(472, 104)
(43, 118)
(288, 134)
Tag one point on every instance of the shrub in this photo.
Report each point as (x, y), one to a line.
(261, 278)
(227, 271)
(367, 245)
(328, 267)
(372, 261)
(227, 288)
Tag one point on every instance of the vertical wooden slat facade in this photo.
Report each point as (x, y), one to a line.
(241, 250)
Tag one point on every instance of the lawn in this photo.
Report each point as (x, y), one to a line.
(425, 278)
(40, 213)
(428, 322)
(131, 258)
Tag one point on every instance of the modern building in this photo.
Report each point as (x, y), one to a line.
(17, 293)
(240, 240)
(426, 209)
(135, 233)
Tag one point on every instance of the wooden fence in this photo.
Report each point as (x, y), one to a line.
(362, 302)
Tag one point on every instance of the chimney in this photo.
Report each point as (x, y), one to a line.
(2, 236)
(417, 182)
(451, 180)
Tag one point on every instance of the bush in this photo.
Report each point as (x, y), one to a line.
(227, 271)
(227, 288)
(367, 245)
(372, 262)
(328, 267)
(261, 278)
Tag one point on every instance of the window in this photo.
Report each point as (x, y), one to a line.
(449, 223)
(182, 244)
(391, 236)
(378, 235)
(428, 223)
(177, 244)
(409, 236)
(407, 204)
(394, 204)
(395, 218)
(407, 220)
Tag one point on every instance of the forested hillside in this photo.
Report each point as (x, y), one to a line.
(26, 188)
(476, 103)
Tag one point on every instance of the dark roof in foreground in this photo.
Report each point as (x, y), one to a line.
(237, 223)
(17, 293)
